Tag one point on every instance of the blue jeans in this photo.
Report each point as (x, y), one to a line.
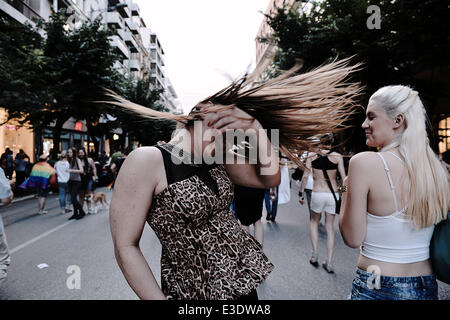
(271, 207)
(63, 192)
(394, 288)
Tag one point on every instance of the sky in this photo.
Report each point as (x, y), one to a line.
(206, 42)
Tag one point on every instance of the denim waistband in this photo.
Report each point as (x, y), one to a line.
(417, 281)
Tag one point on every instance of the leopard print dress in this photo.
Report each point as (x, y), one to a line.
(206, 255)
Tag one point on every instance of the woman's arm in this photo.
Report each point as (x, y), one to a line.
(132, 197)
(341, 167)
(352, 218)
(80, 168)
(305, 176)
(266, 172)
(94, 168)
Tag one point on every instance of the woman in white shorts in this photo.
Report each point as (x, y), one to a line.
(321, 199)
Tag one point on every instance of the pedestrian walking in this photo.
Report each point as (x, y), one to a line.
(9, 168)
(20, 166)
(248, 203)
(41, 177)
(63, 175)
(88, 178)
(271, 202)
(324, 196)
(75, 170)
(284, 189)
(6, 196)
(205, 253)
(392, 200)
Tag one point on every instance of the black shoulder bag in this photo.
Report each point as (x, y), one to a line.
(338, 202)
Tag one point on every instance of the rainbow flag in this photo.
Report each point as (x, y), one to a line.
(39, 176)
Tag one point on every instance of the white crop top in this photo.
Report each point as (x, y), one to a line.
(394, 238)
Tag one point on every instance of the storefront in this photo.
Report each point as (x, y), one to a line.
(68, 139)
(14, 137)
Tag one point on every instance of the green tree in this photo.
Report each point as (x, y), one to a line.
(47, 80)
(145, 131)
(411, 47)
(81, 63)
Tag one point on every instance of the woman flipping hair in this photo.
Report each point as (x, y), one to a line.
(394, 198)
(205, 253)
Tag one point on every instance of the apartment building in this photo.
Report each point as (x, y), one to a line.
(266, 50)
(141, 56)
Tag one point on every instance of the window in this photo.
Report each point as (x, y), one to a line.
(444, 135)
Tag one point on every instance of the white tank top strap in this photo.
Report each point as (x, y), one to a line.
(388, 173)
(396, 156)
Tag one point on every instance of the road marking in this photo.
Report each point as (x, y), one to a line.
(38, 237)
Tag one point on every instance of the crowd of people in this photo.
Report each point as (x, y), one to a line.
(389, 200)
(73, 175)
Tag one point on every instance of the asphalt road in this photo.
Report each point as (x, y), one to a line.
(67, 247)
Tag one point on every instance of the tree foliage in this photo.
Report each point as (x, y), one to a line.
(146, 131)
(411, 47)
(52, 72)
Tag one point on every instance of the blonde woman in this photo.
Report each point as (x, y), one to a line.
(394, 198)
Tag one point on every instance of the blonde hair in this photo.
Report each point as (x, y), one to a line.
(429, 186)
(298, 105)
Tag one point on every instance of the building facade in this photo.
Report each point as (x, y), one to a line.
(265, 51)
(141, 56)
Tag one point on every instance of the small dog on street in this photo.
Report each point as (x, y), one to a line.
(96, 200)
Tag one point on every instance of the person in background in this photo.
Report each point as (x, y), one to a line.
(393, 199)
(20, 166)
(88, 177)
(61, 167)
(271, 201)
(6, 196)
(248, 203)
(75, 170)
(40, 176)
(116, 163)
(9, 168)
(322, 200)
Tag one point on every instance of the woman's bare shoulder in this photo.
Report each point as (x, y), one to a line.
(147, 157)
(143, 167)
(364, 159)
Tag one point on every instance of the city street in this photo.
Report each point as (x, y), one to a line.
(59, 243)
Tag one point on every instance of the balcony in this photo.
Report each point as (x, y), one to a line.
(25, 10)
(114, 20)
(134, 9)
(129, 41)
(135, 65)
(120, 46)
(133, 27)
(124, 11)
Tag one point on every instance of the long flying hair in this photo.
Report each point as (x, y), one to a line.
(298, 105)
(429, 186)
